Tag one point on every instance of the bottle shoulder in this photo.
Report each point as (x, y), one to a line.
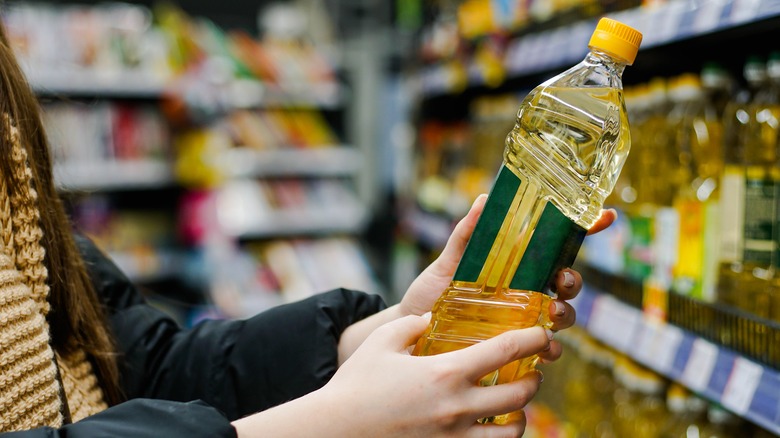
(593, 71)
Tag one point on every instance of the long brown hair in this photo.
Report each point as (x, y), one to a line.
(77, 318)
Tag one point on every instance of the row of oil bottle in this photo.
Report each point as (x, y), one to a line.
(700, 193)
(595, 391)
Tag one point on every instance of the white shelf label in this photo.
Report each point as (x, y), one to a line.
(614, 322)
(698, 370)
(657, 345)
(708, 15)
(744, 10)
(742, 385)
(670, 17)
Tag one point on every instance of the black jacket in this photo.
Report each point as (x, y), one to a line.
(191, 383)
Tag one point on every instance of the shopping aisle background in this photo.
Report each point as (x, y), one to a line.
(231, 156)
(678, 330)
(225, 155)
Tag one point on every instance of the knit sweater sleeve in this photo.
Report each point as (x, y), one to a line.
(143, 418)
(239, 367)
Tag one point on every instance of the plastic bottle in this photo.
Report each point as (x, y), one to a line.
(736, 122)
(698, 137)
(560, 162)
(687, 411)
(655, 190)
(760, 255)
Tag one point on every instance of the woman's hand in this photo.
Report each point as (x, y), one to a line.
(428, 286)
(384, 391)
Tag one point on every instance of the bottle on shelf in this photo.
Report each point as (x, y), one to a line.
(770, 120)
(654, 189)
(718, 87)
(762, 172)
(698, 132)
(561, 161)
(686, 413)
(739, 189)
(640, 409)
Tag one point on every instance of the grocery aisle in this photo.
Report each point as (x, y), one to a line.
(234, 158)
(208, 150)
(678, 329)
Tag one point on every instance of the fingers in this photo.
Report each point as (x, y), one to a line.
(492, 354)
(456, 244)
(568, 283)
(399, 334)
(562, 315)
(552, 354)
(605, 220)
(513, 428)
(506, 397)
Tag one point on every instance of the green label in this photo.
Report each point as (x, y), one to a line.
(759, 244)
(553, 245)
(489, 223)
(639, 248)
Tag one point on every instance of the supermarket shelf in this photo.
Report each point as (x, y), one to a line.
(254, 94)
(113, 175)
(326, 96)
(91, 83)
(327, 161)
(745, 387)
(304, 221)
(47, 81)
(662, 24)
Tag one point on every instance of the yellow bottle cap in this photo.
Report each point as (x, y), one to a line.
(617, 39)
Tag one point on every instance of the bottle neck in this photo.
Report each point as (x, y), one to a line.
(596, 56)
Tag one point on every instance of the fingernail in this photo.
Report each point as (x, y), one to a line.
(560, 309)
(426, 315)
(568, 279)
(550, 334)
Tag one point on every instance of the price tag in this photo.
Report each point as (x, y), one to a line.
(701, 362)
(614, 322)
(708, 15)
(657, 345)
(669, 19)
(744, 10)
(670, 338)
(646, 341)
(742, 385)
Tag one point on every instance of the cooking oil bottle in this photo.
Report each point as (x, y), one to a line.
(698, 137)
(760, 256)
(736, 191)
(655, 189)
(561, 160)
(763, 172)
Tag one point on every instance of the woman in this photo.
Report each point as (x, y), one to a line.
(82, 354)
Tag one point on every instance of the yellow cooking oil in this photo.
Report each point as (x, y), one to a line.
(561, 161)
(747, 181)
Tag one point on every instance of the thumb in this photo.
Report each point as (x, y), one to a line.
(403, 332)
(456, 244)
